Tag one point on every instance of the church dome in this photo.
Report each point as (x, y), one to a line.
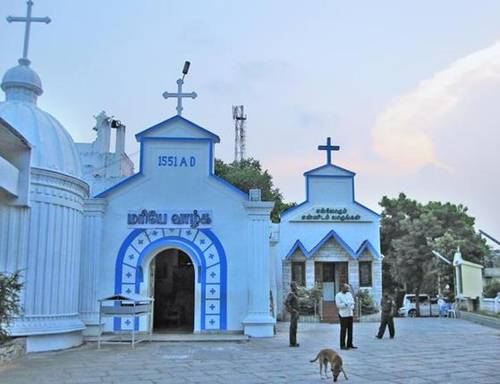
(22, 76)
(53, 147)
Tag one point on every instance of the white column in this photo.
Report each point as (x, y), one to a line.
(89, 265)
(354, 275)
(120, 140)
(258, 322)
(309, 273)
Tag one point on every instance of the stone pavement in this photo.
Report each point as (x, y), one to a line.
(427, 350)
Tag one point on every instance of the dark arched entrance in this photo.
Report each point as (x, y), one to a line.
(173, 289)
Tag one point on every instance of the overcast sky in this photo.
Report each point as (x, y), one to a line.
(409, 90)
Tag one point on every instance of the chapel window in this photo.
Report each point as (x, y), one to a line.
(365, 273)
(299, 273)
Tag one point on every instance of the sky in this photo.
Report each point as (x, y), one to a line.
(409, 90)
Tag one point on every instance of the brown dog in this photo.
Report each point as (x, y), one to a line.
(326, 356)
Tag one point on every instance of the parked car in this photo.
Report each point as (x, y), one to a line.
(428, 306)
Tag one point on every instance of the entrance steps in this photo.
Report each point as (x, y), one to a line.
(330, 312)
(181, 337)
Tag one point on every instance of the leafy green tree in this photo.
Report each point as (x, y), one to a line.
(411, 230)
(248, 174)
(491, 289)
(9, 301)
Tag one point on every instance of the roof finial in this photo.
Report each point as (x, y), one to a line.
(28, 20)
(328, 148)
(179, 95)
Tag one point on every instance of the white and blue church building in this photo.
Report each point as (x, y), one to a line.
(174, 231)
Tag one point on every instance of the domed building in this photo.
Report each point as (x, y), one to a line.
(41, 213)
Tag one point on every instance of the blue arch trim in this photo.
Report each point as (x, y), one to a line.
(212, 273)
(365, 245)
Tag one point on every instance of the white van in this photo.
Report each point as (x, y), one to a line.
(428, 306)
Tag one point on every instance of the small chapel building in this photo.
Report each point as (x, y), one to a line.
(206, 251)
(329, 239)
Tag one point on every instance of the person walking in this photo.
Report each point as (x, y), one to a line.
(292, 306)
(387, 316)
(345, 304)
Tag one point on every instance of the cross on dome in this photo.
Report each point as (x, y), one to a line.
(328, 148)
(28, 20)
(180, 95)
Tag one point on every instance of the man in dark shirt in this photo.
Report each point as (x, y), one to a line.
(292, 306)
(387, 316)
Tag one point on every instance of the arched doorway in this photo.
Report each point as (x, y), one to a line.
(173, 287)
(135, 264)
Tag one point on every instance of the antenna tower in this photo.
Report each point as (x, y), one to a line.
(239, 118)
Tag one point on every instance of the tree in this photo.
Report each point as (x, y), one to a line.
(248, 174)
(411, 230)
(9, 301)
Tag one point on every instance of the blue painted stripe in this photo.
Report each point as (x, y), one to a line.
(332, 234)
(230, 186)
(213, 136)
(118, 185)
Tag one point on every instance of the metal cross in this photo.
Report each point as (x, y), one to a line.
(28, 20)
(328, 148)
(179, 95)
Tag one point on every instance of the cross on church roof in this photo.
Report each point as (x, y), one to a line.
(328, 148)
(28, 20)
(180, 95)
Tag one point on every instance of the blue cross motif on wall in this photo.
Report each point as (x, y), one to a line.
(328, 148)
(128, 274)
(211, 256)
(212, 291)
(155, 233)
(127, 322)
(202, 241)
(212, 321)
(140, 241)
(172, 229)
(212, 307)
(213, 274)
(131, 257)
(128, 290)
(188, 233)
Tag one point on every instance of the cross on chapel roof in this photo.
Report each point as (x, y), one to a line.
(179, 95)
(328, 148)
(28, 20)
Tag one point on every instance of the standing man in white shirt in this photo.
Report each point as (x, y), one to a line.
(345, 304)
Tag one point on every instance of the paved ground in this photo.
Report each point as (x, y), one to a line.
(424, 351)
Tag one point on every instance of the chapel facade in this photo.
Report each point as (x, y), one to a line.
(206, 251)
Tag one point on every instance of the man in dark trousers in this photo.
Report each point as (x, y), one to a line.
(292, 306)
(387, 316)
(345, 304)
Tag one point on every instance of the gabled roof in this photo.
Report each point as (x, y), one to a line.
(329, 170)
(365, 245)
(197, 132)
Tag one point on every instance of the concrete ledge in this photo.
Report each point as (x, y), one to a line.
(488, 321)
(177, 337)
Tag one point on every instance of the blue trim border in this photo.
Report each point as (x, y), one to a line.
(365, 245)
(211, 136)
(212, 274)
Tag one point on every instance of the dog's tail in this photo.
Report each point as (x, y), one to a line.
(317, 357)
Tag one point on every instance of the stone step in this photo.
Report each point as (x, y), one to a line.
(180, 337)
